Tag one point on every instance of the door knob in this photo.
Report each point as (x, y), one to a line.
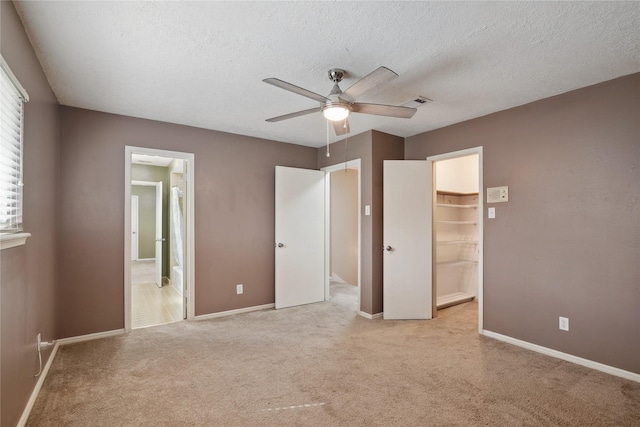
(160, 240)
(388, 249)
(280, 245)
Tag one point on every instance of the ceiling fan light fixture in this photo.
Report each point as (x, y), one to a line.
(336, 112)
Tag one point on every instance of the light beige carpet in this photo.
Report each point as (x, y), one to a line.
(322, 365)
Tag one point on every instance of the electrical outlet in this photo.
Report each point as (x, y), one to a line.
(239, 289)
(563, 324)
(39, 341)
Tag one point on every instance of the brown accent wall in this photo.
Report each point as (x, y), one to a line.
(28, 285)
(372, 147)
(234, 214)
(357, 147)
(385, 147)
(568, 241)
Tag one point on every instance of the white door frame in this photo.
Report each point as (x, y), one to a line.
(158, 230)
(189, 274)
(352, 164)
(464, 153)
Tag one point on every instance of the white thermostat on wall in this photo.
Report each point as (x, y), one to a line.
(497, 194)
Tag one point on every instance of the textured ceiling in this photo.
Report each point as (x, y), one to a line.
(202, 63)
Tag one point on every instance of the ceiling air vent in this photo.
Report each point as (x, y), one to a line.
(419, 101)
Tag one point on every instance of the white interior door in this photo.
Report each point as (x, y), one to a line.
(159, 238)
(407, 222)
(134, 228)
(299, 231)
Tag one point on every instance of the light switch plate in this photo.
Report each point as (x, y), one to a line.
(367, 210)
(491, 213)
(497, 194)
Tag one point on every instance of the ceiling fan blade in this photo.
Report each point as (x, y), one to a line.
(341, 127)
(368, 82)
(295, 89)
(384, 110)
(292, 115)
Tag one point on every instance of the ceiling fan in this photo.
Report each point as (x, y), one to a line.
(337, 106)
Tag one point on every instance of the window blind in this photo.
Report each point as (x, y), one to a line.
(12, 97)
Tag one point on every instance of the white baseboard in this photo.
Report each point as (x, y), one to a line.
(232, 312)
(565, 356)
(36, 389)
(89, 337)
(370, 316)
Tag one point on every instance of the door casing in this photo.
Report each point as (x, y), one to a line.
(352, 164)
(453, 155)
(189, 255)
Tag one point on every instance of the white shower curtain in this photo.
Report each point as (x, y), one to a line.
(176, 225)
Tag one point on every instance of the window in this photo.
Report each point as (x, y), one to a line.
(12, 98)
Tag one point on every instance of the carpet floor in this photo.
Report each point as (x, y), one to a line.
(322, 365)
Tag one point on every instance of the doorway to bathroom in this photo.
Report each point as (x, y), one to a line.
(159, 237)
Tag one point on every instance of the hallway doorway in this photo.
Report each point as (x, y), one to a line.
(159, 278)
(343, 236)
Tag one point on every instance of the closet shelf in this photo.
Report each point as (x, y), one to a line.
(455, 262)
(451, 205)
(453, 299)
(457, 222)
(457, 242)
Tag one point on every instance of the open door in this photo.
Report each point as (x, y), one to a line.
(407, 223)
(159, 238)
(299, 231)
(134, 228)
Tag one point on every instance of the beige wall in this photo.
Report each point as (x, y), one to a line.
(568, 241)
(458, 175)
(344, 225)
(234, 214)
(28, 292)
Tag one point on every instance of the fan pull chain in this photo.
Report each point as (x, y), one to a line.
(328, 154)
(346, 140)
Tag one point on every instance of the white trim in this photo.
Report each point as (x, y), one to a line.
(351, 164)
(232, 312)
(90, 337)
(12, 240)
(189, 275)
(36, 390)
(335, 278)
(464, 153)
(564, 356)
(370, 316)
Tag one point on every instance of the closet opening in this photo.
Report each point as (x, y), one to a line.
(457, 231)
